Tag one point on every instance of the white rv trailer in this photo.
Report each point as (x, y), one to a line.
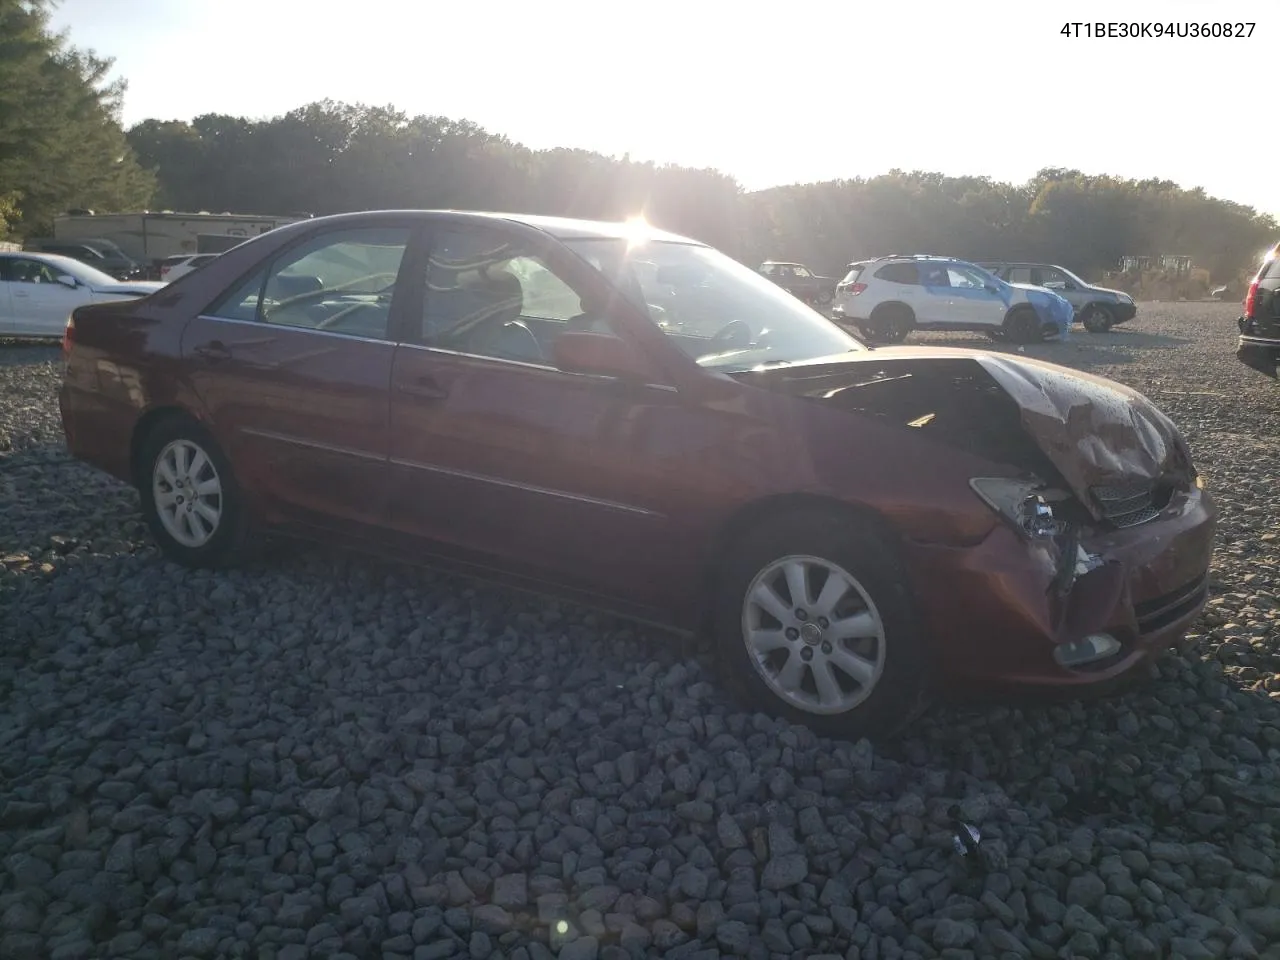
(151, 236)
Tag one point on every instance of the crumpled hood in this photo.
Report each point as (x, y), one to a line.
(1093, 431)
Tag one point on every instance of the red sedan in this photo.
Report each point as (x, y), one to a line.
(639, 421)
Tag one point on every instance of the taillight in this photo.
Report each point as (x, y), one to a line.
(854, 289)
(1251, 299)
(164, 272)
(68, 336)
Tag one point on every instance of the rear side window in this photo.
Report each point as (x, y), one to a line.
(899, 273)
(1018, 275)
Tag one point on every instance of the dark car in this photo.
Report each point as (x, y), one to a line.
(799, 281)
(1098, 308)
(1259, 345)
(102, 255)
(493, 393)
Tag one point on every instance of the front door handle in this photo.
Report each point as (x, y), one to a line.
(425, 387)
(213, 352)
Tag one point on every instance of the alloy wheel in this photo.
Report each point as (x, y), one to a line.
(187, 492)
(813, 634)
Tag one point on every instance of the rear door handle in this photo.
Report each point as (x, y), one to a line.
(213, 352)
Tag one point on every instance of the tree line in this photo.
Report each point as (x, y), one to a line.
(62, 146)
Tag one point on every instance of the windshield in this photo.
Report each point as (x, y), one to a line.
(90, 276)
(723, 314)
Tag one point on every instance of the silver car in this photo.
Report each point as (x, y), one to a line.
(1098, 308)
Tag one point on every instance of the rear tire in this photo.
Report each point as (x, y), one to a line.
(802, 664)
(1023, 325)
(190, 498)
(1098, 319)
(889, 323)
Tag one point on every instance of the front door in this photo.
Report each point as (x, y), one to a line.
(293, 367)
(505, 459)
(973, 301)
(37, 303)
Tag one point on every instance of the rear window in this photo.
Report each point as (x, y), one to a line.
(855, 271)
(1273, 269)
(899, 273)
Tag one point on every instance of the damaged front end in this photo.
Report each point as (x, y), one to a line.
(1105, 536)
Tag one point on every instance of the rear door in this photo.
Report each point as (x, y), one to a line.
(293, 366)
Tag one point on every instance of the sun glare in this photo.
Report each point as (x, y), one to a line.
(638, 230)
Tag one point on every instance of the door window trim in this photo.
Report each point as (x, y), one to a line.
(416, 234)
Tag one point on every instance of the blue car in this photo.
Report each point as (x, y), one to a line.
(886, 298)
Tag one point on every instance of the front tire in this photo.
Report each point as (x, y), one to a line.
(1098, 319)
(814, 623)
(190, 497)
(1023, 325)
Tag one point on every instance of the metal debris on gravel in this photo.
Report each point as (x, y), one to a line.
(326, 756)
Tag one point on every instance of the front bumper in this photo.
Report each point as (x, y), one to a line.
(1123, 312)
(996, 619)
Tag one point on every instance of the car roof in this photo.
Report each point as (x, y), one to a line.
(54, 258)
(562, 228)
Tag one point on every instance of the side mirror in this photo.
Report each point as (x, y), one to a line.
(601, 355)
(991, 288)
(68, 281)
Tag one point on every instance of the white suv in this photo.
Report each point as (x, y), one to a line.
(886, 298)
(171, 268)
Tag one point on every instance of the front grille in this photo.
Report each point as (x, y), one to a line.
(1159, 612)
(1127, 505)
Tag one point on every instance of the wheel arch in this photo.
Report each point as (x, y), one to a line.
(143, 427)
(1023, 307)
(751, 515)
(893, 305)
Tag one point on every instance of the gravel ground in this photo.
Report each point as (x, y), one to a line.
(325, 756)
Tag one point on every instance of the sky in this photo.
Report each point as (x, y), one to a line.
(770, 93)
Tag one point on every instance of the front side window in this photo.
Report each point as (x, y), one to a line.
(1048, 276)
(31, 271)
(1019, 275)
(338, 282)
(964, 278)
(489, 295)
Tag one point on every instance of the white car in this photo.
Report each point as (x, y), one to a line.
(886, 298)
(171, 268)
(38, 291)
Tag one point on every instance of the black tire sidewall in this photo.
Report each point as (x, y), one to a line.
(223, 548)
(1023, 325)
(892, 322)
(899, 695)
(1104, 321)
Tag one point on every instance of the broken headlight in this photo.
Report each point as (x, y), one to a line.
(1021, 504)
